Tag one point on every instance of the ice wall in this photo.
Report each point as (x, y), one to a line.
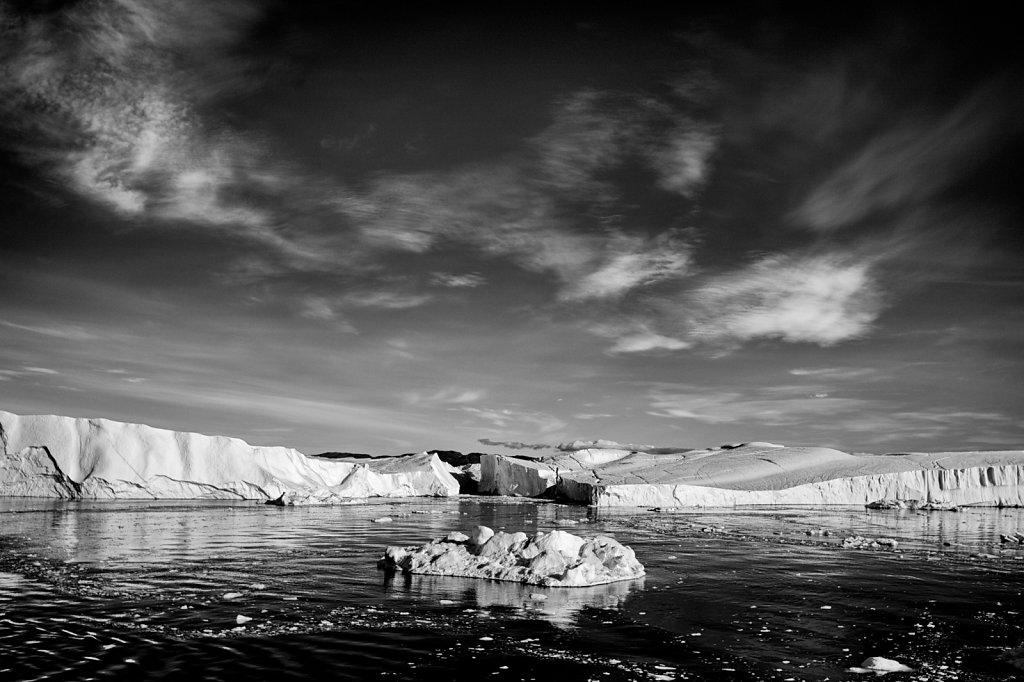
(66, 457)
(998, 486)
(501, 475)
(758, 475)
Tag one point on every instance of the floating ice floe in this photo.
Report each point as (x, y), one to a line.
(880, 666)
(913, 505)
(860, 542)
(552, 559)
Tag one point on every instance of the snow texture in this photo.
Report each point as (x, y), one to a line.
(762, 474)
(65, 457)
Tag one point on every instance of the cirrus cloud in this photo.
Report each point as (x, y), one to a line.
(822, 299)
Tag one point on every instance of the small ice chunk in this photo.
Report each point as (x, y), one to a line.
(232, 595)
(242, 620)
(880, 666)
(480, 535)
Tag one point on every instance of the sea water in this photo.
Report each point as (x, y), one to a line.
(194, 591)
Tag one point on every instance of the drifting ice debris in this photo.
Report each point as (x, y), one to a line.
(858, 542)
(912, 505)
(554, 559)
(880, 666)
(1012, 538)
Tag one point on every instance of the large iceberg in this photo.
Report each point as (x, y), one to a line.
(65, 457)
(760, 474)
(550, 559)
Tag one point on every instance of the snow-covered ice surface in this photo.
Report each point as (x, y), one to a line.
(760, 474)
(71, 458)
(65, 457)
(112, 589)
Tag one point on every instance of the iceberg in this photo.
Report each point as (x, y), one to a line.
(71, 458)
(549, 559)
(761, 474)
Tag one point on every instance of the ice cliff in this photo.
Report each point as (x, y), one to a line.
(65, 457)
(553, 559)
(71, 458)
(760, 474)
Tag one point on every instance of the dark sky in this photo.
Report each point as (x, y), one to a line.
(387, 227)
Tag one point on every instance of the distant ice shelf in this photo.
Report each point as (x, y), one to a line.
(760, 474)
(66, 457)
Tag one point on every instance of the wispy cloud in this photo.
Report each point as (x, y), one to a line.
(632, 262)
(819, 417)
(109, 92)
(116, 107)
(683, 164)
(69, 332)
(8, 374)
(465, 281)
(526, 206)
(524, 421)
(317, 308)
(500, 210)
(385, 300)
(829, 373)
(822, 299)
(632, 335)
(451, 395)
(594, 131)
(782, 405)
(41, 370)
(912, 162)
(647, 341)
(955, 429)
(323, 310)
(116, 117)
(495, 207)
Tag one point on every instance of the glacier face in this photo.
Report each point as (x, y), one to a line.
(764, 474)
(66, 457)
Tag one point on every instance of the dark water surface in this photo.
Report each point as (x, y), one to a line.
(101, 590)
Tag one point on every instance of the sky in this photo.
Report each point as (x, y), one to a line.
(389, 227)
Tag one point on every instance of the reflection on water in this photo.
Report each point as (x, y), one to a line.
(102, 588)
(558, 606)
